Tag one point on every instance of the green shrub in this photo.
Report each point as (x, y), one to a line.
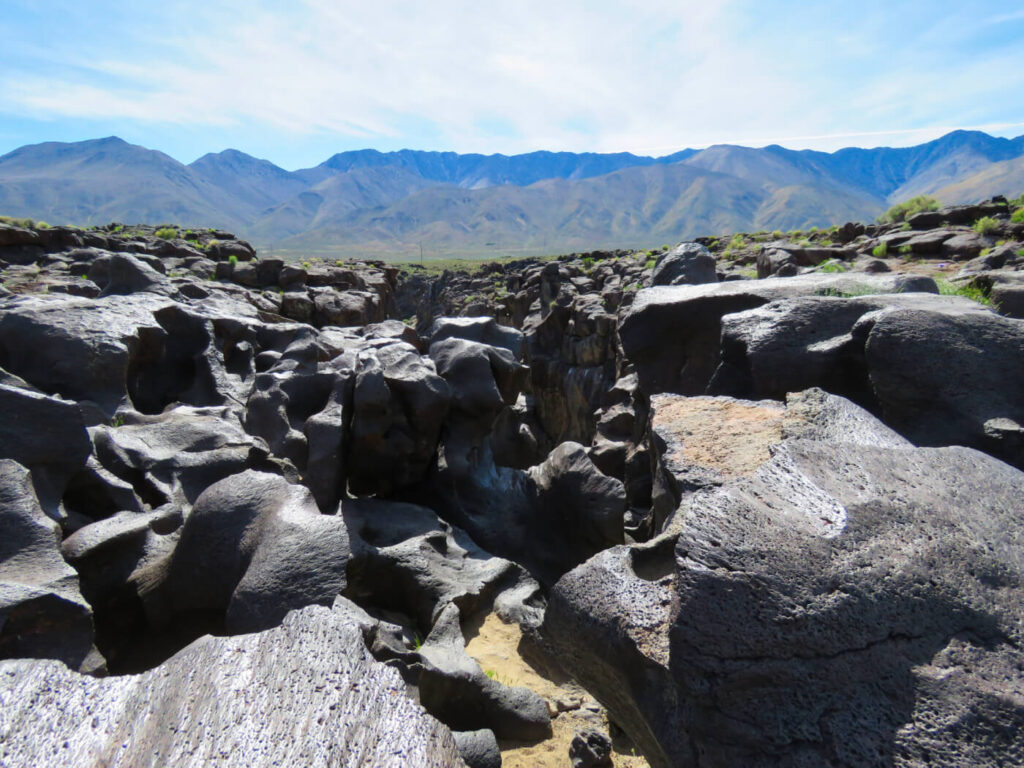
(906, 250)
(166, 233)
(968, 291)
(233, 260)
(649, 264)
(832, 267)
(42, 225)
(986, 225)
(1017, 217)
(777, 234)
(15, 222)
(880, 251)
(906, 209)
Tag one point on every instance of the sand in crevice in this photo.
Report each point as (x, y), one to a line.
(499, 650)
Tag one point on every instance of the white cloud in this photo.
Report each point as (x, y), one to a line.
(641, 75)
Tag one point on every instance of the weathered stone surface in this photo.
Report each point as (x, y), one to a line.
(794, 344)
(407, 559)
(478, 749)
(400, 401)
(254, 548)
(47, 435)
(455, 690)
(118, 274)
(671, 334)
(591, 749)
(849, 600)
(174, 456)
(950, 378)
(686, 264)
(307, 693)
(346, 308)
(583, 508)
(483, 330)
(77, 348)
(1008, 299)
(42, 613)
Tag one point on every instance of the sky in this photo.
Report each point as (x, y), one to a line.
(295, 82)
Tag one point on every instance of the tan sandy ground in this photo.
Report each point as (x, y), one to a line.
(732, 438)
(497, 647)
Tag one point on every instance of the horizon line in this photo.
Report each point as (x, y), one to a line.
(761, 143)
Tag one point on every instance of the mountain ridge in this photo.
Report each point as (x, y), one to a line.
(386, 203)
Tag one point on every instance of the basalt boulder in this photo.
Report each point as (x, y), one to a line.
(42, 612)
(404, 558)
(306, 693)
(47, 435)
(454, 689)
(843, 598)
(672, 334)
(253, 548)
(686, 264)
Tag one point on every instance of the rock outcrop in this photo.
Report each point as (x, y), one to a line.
(306, 693)
(755, 505)
(843, 598)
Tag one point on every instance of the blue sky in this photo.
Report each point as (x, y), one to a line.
(297, 81)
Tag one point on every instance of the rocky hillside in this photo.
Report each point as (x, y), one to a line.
(381, 204)
(750, 501)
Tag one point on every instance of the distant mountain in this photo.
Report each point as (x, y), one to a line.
(633, 207)
(258, 184)
(480, 171)
(1004, 178)
(390, 203)
(98, 181)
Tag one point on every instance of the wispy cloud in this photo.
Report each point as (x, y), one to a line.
(640, 75)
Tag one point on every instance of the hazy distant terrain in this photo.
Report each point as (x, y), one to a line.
(373, 203)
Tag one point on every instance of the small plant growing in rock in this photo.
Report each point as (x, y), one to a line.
(969, 291)
(17, 222)
(880, 251)
(1017, 217)
(832, 267)
(233, 260)
(986, 225)
(906, 209)
(906, 250)
(166, 233)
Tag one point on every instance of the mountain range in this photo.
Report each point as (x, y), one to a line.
(393, 204)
